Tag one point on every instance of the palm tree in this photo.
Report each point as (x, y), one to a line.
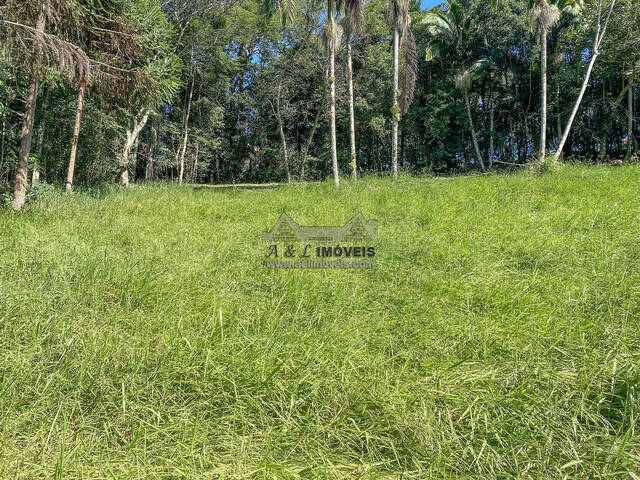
(331, 35)
(450, 30)
(543, 15)
(351, 24)
(398, 19)
(161, 64)
(488, 66)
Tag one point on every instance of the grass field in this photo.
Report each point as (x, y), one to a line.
(498, 336)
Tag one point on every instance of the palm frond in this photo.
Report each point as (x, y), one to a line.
(450, 28)
(352, 23)
(463, 80)
(353, 8)
(542, 17)
(436, 23)
(396, 13)
(24, 41)
(481, 65)
(331, 34)
(435, 49)
(572, 7)
(287, 9)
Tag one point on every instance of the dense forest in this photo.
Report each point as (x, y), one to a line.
(244, 91)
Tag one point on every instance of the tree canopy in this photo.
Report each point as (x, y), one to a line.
(241, 90)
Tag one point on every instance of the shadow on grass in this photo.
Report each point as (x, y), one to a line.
(240, 186)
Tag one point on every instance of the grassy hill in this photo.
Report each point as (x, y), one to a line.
(141, 335)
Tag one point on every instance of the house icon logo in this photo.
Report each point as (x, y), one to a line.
(356, 230)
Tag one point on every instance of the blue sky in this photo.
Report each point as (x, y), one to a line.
(429, 3)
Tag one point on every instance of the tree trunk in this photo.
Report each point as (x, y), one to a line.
(309, 140)
(402, 139)
(543, 101)
(596, 51)
(352, 121)
(616, 103)
(194, 171)
(132, 136)
(332, 94)
(124, 161)
(283, 138)
(559, 116)
(473, 131)
(4, 129)
(491, 128)
(153, 140)
(585, 83)
(133, 152)
(186, 132)
(630, 136)
(35, 175)
(76, 135)
(26, 136)
(512, 141)
(527, 135)
(604, 140)
(395, 110)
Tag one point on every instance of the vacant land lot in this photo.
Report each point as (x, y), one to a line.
(498, 336)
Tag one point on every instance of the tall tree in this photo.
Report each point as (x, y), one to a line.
(601, 30)
(28, 25)
(332, 33)
(278, 114)
(397, 14)
(351, 25)
(20, 188)
(463, 82)
(542, 16)
(630, 136)
(35, 174)
(187, 115)
(108, 42)
(151, 146)
(76, 134)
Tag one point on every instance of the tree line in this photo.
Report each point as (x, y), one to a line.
(276, 90)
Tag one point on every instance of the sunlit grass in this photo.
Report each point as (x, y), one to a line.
(497, 337)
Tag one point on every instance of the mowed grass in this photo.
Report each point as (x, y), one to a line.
(141, 336)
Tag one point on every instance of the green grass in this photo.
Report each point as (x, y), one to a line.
(498, 336)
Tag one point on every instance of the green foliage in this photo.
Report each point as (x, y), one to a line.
(158, 62)
(240, 56)
(395, 111)
(549, 165)
(450, 30)
(45, 194)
